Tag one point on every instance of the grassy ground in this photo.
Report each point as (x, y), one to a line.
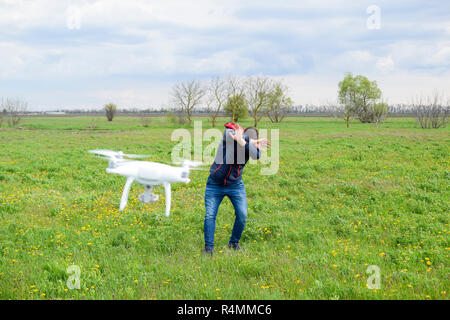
(343, 199)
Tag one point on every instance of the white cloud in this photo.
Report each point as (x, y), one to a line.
(398, 87)
(153, 96)
(357, 61)
(442, 56)
(24, 14)
(385, 64)
(412, 54)
(124, 46)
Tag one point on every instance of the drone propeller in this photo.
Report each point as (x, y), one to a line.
(189, 163)
(117, 155)
(192, 164)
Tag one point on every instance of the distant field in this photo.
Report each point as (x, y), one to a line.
(343, 199)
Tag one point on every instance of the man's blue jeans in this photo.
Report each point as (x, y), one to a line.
(214, 194)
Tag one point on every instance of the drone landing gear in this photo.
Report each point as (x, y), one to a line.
(148, 196)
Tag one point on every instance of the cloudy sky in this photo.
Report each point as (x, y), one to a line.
(83, 54)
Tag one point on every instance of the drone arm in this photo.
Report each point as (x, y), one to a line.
(126, 191)
(168, 197)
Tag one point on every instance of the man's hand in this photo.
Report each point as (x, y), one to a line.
(260, 143)
(238, 136)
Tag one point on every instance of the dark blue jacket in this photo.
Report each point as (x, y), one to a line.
(231, 159)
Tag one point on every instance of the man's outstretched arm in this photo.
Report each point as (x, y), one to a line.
(251, 146)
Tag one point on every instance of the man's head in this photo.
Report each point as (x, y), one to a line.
(232, 125)
(252, 133)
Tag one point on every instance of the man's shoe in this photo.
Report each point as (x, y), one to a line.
(208, 251)
(234, 246)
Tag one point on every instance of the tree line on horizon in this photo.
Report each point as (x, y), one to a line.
(260, 96)
(236, 97)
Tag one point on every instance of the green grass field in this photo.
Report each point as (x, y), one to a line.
(343, 199)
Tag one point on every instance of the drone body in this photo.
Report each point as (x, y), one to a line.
(148, 174)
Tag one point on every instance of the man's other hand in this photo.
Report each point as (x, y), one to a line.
(261, 143)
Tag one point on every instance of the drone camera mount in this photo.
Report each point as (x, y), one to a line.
(148, 196)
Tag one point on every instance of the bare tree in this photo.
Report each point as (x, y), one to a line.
(236, 107)
(217, 97)
(111, 110)
(379, 112)
(186, 96)
(236, 103)
(334, 108)
(279, 104)
(431, 112)
(15, 109)
(235, 86)
(257, 93)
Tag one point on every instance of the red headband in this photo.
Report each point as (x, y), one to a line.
(234, 126)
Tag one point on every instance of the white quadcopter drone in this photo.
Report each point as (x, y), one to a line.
(148, 174)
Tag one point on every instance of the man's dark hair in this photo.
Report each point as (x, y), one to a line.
(252, 133)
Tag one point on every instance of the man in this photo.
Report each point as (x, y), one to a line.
(225, 179)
